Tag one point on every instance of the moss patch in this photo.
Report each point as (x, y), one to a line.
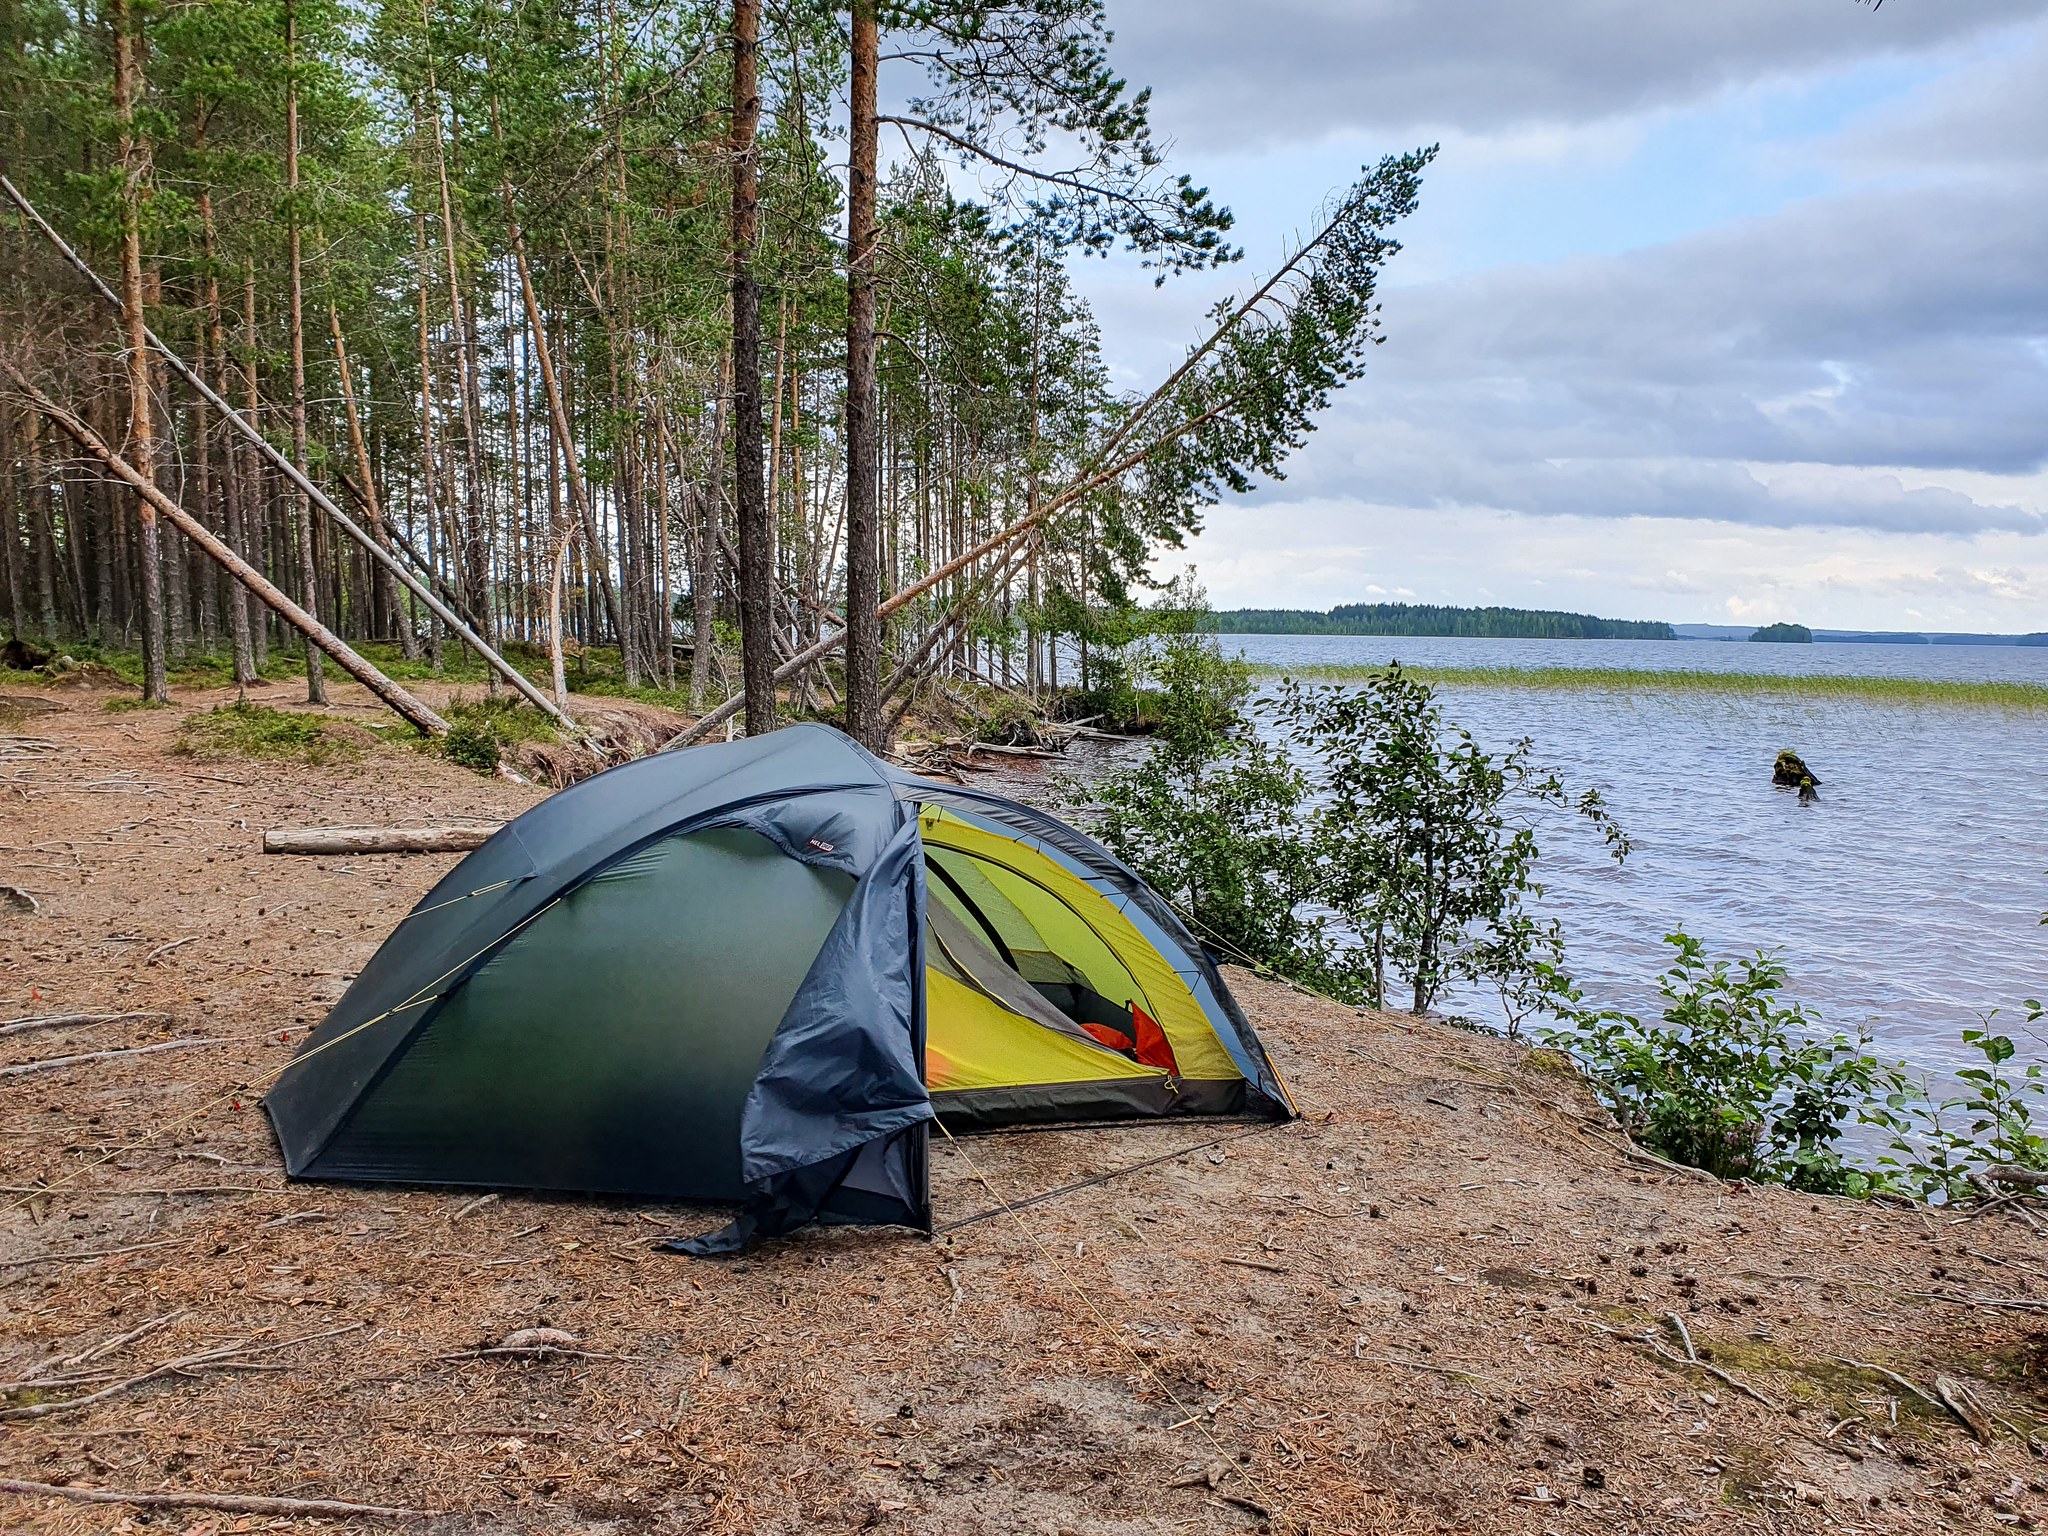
(256, 730)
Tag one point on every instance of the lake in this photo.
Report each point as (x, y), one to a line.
(1910, 896)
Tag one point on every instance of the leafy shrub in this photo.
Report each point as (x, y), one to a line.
(481, 732)
(1211, 815)
(1742, 1084)
(257, 730)
(1423, 845)
(1735, 1080)
(1950, 1147)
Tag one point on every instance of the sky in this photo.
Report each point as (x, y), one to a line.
(1726, 313)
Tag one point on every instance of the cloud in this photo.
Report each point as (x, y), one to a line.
(1240, 76)
(1991, 115)
(1782, 372)
(1794, 359)
(1315, 553)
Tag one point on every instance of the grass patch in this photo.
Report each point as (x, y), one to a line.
(257, 730)
(482, 731)
(1801, 685)
(128, 703)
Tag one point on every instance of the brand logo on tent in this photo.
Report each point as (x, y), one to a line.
(820, 844)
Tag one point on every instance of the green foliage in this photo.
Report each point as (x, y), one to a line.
(482, 731)
(1990, 1124)
(1418, 844)
(1784, 634)
(1734, 1080)
(1743, 1084)
(1366, 841)
(1006, 80)
(258, 731)
(1210, 816)
(1435, 619)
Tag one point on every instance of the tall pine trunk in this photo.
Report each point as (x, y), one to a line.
(309, 570)
(750, 500)
(128, 84)
(863, 513)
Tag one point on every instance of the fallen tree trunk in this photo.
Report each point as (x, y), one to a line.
(376, 839)
(408, 708)
(2026, 1178)
(282, 463)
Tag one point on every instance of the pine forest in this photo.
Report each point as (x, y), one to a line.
(733, 350)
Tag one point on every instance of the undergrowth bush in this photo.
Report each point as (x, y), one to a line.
(482, 731)
(1736, 1080)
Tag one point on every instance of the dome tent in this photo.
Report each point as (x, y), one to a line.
(752, 973)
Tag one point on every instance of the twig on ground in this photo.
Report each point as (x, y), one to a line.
(189, 1364)
(92, 1253)
(1271, 1269)
(165, 949)
(1992, 1258)
(236, 1503)
(478, 1204)
(1465, 1372)
(1193, 1418)
(1894, 1378)
(137, 1194)
(118, 1341)
(1636, 1154)
(52, 1063)
(530, 1352)
(69, 1021)
(1959, 1400)
(1678, 1323)
(1672, 1357)
(2009, 1303)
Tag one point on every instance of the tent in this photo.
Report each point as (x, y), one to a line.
(753, 973)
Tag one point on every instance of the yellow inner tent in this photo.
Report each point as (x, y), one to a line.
(1021, 953)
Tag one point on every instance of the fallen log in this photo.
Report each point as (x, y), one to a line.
(402, 703)
(376, 839)
(2030, 1178)
(268, 450)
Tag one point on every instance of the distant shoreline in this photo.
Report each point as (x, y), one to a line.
(1428, 621)
(1436, 621)
(1882, 690)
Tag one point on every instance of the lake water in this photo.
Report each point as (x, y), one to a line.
(1910, 896)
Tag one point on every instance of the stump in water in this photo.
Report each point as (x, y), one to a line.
(1791, 772)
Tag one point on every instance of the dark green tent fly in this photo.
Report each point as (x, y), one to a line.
(723, 975)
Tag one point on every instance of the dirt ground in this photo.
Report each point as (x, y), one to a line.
(1408, 1311)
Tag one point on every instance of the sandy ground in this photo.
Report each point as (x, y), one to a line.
(1406, 1312)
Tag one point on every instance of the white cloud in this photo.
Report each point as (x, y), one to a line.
(1317, 553)
(1230, 75)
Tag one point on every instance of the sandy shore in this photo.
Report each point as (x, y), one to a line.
(1410, 1311)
